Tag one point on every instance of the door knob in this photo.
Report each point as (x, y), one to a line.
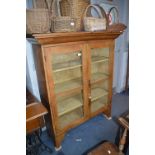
(79, 54)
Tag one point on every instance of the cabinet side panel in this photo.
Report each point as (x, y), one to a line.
(42, 85)
(111, 67)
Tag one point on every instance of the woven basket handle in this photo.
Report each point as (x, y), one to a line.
(114, 8)
(97, 8)
(104, 13)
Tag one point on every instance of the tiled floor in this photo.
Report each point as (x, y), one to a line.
(85, 136)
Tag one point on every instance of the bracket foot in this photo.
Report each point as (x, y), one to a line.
(58, 148)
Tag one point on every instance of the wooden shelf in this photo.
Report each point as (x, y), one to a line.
(68, 86)
(97, 59)
(70, 104)
(66, 65)
(98, 77)
(71, 117)
(97, 93)
(35, 110)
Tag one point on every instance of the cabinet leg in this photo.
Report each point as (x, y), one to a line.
(58, 148)
(107, 114)
(107, 117)
(58, 140)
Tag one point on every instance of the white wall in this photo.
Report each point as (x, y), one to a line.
(29, 4)
(31, 76)
(122, 53)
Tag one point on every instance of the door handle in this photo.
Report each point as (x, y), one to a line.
(89, 100)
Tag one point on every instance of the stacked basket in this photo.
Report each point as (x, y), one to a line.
(61, 23)
(41, 4)
(68, 16)
(77, 10)
(38, 20)
(95, 23)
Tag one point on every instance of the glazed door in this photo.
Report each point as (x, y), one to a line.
(100, 73)
(65, 71)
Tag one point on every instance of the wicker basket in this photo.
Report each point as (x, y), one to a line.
(116, 26)
(40, 4)
(62, 23)
(94, 23)
(77, 10)
(38, 20)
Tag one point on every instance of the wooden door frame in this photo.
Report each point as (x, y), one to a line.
(65, 48)
(102, 44)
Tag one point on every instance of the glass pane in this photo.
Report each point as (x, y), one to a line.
(70, 108)
(100, 103)
(99, 78)
(99, 95)
(67, 71)
(67, 76)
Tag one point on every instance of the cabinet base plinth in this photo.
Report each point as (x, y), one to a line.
(58, 148)
(108, 118)
(107, 115)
